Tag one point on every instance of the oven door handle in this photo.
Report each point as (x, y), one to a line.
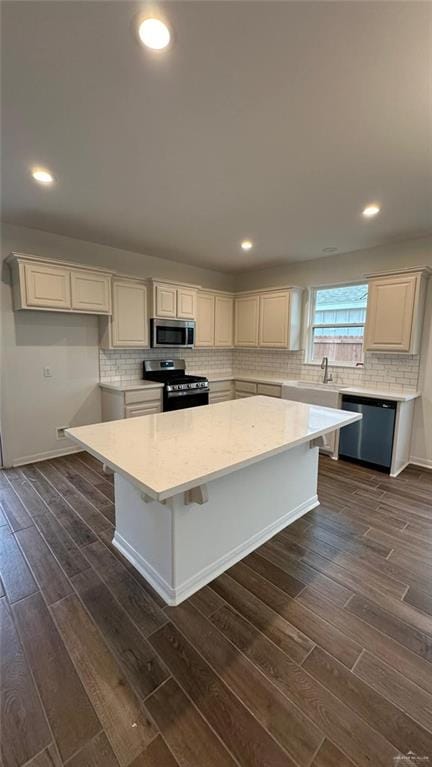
(186, 393)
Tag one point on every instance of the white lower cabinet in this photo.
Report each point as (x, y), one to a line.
(220, 391)
(244, 389)
(118, 404)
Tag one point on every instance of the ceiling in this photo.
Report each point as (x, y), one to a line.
(275, 121)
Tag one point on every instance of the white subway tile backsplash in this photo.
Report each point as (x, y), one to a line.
(380, 371)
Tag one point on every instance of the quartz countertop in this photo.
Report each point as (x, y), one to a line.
(131, 386)
(167, 453)
(395, 395)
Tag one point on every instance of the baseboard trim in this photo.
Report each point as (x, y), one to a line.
(45, 456)
(394, 474)
(174, 596)
(425, 463)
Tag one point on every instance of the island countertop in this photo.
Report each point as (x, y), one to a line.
(170, 452)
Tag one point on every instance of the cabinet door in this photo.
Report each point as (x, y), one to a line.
(390, 313)
(274, 319)
(129, 321)
(166, 300)
(224, 321)
(186, 303)
(47, 286)
(205, 326)
(91, 292)
(246, 321)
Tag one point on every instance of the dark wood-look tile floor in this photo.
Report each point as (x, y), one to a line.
(315, 650)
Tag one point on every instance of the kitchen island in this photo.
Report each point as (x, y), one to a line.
(198, 489)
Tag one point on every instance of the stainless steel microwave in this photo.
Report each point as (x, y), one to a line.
(172, 333)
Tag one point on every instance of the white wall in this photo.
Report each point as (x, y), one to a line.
(31, 406)
(351, 267)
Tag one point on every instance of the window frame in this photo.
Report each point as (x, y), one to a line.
(312, 295)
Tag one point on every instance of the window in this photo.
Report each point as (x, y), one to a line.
(338, 317)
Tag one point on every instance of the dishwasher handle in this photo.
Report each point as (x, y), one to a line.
(370, 401)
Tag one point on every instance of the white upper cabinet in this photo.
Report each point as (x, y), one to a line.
(205, 325)
(395, 313)
(215, 319)
(224, 321)
(274, 319)
(91, 292)
(186, 303)
(45, 286)
(246, 320)
(171, 301)
(129, 325)
(165, 303)
(269, 319)
(58, 286)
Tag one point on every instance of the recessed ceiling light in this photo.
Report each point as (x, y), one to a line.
(42, 176)
(330, 250)
(371, 210)
(154, 34)
(247, 244)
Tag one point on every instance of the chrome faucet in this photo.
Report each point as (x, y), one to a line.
(324, 366)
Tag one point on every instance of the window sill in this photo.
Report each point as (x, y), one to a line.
(351, 366)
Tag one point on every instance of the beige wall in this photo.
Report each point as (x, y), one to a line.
(32, 407)
(340, 268)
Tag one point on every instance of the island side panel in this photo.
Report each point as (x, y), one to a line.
(144, 535)
(179, 548)
(244, 509)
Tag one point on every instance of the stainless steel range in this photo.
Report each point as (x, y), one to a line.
(180, 390)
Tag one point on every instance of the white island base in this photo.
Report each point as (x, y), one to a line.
(179, 546)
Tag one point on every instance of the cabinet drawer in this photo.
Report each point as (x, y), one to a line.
(221, 386)
(143, 395)
(137, 410)
(245, 386)
(221, 396)
(270, 390)
(242, 395)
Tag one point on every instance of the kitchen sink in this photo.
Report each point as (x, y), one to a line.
(327, 395)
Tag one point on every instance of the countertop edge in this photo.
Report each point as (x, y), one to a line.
(397, 396)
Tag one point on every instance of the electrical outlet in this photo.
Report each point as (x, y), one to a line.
(61, 432)
(47, 372)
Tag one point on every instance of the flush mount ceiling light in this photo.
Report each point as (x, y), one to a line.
(371, 210)
(246, 245)
(330, 250)
(154, 34)
(42, 176)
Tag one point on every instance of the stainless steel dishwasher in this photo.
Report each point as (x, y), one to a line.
(369, 441)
